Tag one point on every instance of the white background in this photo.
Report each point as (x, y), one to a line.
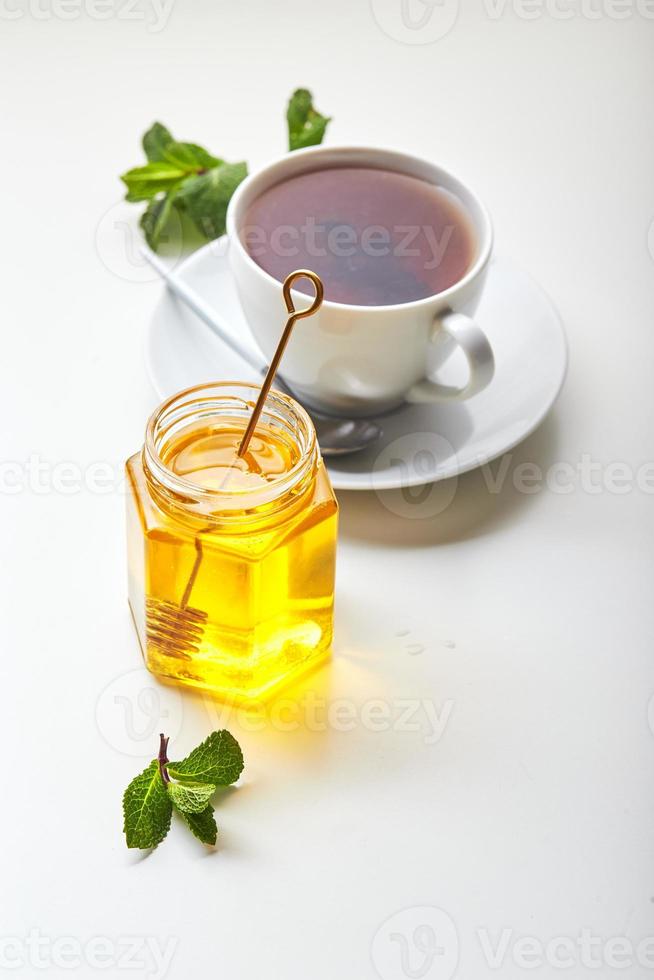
(524, 620)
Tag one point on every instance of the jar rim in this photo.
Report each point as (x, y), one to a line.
(272, 489)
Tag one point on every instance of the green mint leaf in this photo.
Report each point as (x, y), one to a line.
(218, 760)
(191, 797)
(202, 824)
(144, 183)
(186, 177)
(155, 218)
(306, 126)
(147, 809)
(206, 196)
(190, 157)
(155, 142)
(159, 145)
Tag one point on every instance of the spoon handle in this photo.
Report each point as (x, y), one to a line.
(190, 298)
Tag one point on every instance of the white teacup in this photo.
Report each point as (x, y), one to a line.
(363, 360)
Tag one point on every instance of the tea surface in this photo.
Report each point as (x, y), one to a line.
(375, 237)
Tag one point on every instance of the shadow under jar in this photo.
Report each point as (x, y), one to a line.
(231, 561)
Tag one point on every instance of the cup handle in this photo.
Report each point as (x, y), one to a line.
(462, 332)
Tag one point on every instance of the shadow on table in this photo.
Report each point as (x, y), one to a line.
(468, 506)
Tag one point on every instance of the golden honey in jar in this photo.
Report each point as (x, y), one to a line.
(231, 560)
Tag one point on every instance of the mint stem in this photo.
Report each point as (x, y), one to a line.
(163, 757)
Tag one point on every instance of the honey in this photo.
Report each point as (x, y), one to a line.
(231, 560)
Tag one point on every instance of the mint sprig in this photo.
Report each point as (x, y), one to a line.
(147, 808)
(184, 179)
(306, 126)
(187, 786)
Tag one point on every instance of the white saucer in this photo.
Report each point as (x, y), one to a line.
(420, 443)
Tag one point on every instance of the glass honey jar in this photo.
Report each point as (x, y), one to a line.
(231, 559)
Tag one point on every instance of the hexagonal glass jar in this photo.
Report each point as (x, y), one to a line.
(231, 587)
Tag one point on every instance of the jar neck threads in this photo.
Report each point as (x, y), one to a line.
(228, 406)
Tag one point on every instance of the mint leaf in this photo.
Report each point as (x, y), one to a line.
(155, 141)
(147, 809)
(146, 182)
(187, 179)
(306, 126)
(178, 161)
(169, 164)
(155, 218)
(191, 797)
(206, 196)
(202, 824)
(218, 760)
(158, 145)
(190, 156)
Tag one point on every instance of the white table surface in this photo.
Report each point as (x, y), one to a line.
(522, 620)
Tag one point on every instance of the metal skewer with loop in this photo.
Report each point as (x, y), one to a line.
(294, 316)
(177, 630)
